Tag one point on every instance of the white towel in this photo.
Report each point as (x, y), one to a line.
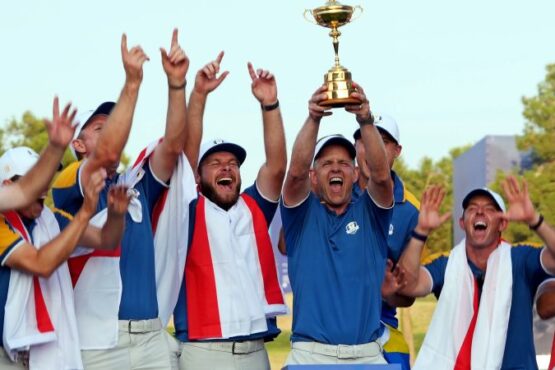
(98, 289)
(58, 349)
(454, 312)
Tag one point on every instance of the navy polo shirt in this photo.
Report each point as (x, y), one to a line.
(336, 268)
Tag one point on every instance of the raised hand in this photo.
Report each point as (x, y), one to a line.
(263, 85)
(176, 63)
(91, 191)
(429, 218)
(133, 60)
(520, 206)
(60, 130)
(362, 110)
(315, 110)
(207, 79)
(118, 200)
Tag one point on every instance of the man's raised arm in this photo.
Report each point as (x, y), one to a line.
(176, 65)
(35, 182)
(271, 174)
(115, 132)
(297, 181)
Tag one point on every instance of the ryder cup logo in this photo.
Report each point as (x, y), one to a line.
(351, 228)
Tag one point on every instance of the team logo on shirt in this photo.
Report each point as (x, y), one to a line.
(352, 228)
(391, 229)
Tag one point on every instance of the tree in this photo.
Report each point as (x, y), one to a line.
(539, 111)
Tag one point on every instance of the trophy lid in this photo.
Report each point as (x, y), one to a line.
(333, 14)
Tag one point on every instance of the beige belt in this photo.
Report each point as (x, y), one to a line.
(236, 348)
(341, 351)
(140, 326)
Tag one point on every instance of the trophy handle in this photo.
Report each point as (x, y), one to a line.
(355, 14)
(308, 19)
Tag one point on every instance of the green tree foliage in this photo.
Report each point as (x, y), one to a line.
(431, 173)
(539, 111)
(539, 137)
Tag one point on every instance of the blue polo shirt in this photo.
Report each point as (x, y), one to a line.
(138, 297)
(336, 268)
(528, 274)
(403, 221)
(9, 241)
(268, 208)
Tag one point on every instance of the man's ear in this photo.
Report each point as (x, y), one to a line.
(79, 146)
(7, 182)
(313, 178)
(461, 222)
(398, 150)
(356, 174)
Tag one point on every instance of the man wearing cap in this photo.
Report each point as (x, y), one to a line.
(403, 221)
(486, 287)
(336, 245)
(31, 245)
(37, 179)
(123, 325)
(230, 293)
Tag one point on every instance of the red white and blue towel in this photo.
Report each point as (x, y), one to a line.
(39, 313)
(98, 287)
(457, 331)
(231, 277)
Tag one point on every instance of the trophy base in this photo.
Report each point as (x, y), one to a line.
(340, 87)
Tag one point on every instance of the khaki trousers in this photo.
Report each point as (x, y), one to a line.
(143, 345)
(248, 355)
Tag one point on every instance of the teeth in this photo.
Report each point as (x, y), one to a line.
(336, 180)
(224, 181)
(480, 225)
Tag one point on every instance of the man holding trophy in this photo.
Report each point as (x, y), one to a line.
(336, 246)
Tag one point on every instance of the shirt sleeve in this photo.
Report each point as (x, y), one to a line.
(437, 268)
(382, 216)
(66, 190)
(528, 258)
(10, 240)
(293, 219)
(267, 206)
(152, 186)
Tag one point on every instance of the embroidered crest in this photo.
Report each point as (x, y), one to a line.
(351, 228)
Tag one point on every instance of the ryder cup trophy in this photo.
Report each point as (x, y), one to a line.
(338, 79)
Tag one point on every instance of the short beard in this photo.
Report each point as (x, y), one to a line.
(210, 192)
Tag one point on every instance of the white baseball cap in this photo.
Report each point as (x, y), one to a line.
(17, 162)
(84, 117)
(336, 139)
(497, 199)
(220, 145)
(385, 123)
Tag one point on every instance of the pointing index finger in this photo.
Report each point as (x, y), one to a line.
(123, 44)
(174, 37)
(251, 71)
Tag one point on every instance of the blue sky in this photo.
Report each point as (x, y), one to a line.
(449, 72)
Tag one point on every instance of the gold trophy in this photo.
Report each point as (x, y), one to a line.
(338, 79)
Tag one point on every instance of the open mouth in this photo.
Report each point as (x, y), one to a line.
(336, 183)
(480, 225)
(225, 182)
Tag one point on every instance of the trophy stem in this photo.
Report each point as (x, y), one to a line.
(335, 35)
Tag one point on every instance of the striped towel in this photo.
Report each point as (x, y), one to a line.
(230, 273)
(451, 322)
(39, 314)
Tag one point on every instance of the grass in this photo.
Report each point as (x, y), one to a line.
(420, 315)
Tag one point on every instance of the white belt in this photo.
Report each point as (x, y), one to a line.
(341, 351)
(236, 348)
(140, 326)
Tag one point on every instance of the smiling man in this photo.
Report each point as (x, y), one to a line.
(336, 246)
(486, 287)
(230, 293)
